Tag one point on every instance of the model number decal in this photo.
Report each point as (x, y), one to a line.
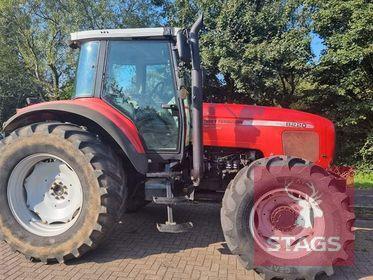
(277, 123)
(299, 125)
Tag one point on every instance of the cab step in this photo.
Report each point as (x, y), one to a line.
(170, 226)
(170, 200)
(174, 227)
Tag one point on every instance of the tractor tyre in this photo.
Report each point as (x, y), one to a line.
(253, 219)
(61, 191)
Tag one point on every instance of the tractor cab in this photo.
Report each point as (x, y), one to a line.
(143, 74)
(139, 73)
(137, 78)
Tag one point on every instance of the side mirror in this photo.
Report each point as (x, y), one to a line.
(183, 46)
(33, 100)
(72, 44)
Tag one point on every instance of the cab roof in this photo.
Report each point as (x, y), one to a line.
(150, 33)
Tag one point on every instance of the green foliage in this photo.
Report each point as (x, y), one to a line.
(366, 153)
(343, 78)
(263, 50)
(35, 58)
(15, 81)
(363, 180)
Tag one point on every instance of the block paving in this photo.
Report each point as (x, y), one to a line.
(136, 250)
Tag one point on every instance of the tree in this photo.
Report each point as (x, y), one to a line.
(343, 79)
(38, 32)
(264, 47)
(259, 52)
(15, 80)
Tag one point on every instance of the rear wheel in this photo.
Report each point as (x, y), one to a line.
(61, 190)
(264, 207)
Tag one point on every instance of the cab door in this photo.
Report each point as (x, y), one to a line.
(139, 81)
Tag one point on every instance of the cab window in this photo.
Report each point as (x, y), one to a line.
(87, 68)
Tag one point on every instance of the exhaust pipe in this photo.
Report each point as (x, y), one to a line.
(197, 103)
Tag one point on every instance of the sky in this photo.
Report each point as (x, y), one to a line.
(317, 45)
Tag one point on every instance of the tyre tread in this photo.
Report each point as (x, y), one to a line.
(111, 182)
(231, 202)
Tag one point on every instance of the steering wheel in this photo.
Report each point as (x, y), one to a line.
(158, 89)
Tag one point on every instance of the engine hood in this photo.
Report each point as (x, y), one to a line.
(271, 130)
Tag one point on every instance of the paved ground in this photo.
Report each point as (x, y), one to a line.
(363, 203)
(138, 251)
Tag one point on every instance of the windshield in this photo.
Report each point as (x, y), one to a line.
(139, 81)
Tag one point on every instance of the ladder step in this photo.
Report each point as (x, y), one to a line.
(170, 200)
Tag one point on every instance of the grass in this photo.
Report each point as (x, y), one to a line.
(363, 180)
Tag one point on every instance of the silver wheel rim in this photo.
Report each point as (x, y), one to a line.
(44, 194)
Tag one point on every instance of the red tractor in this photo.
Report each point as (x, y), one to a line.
(133, 134)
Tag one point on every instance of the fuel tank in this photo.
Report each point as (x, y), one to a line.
(270, 130)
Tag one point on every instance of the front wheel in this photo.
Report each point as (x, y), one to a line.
(61, 190)
(287, 218)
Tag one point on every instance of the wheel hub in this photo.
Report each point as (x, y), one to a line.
(283, 218)
(45, 194)
(52, 197)
(58, 190)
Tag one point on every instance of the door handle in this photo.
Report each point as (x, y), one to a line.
(172, 107)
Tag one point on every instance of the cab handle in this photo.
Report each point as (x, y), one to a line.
(172, 107)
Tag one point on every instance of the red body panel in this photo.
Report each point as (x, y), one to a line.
(261, 128)
(120, 120)
(232, 126)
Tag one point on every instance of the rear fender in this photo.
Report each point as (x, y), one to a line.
(94, 114)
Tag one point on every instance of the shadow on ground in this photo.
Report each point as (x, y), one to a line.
(137, 236)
